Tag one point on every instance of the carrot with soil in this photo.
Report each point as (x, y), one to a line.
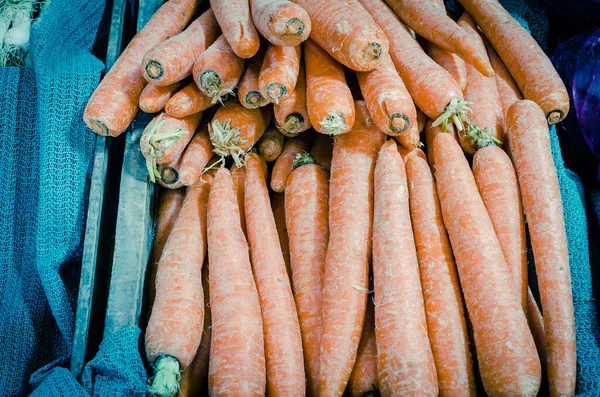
(174, 59)
(492, 301)
(188, 101)
(154, 98)
(270, 145)
(114, 103)
(444, 306)
(175, 327)
(279, 72)
(217, 71)
(248, 90)
(284, 165)
(322, 150)
(328, 98)
(196, 156)
(236, 23)
(291, 115)
(532, 157)
(538, 80)
(283, 342)
(281, 22)
(237, 356)
(165, 138)
(345, 282)
(306, 209)
(405, 362)
(363, 379)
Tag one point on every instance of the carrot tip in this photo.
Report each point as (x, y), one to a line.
(276, 91)
(154, 70)
(211, 82)
(399, 123)
(302, 159)
(554, 117)
(165, 382)
(334, 124)
(372, 51)
(294, 27)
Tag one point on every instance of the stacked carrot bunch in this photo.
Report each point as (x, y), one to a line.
(288, 309)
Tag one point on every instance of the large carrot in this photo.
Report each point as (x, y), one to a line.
(444, 306)
(507, 87)
(328, 98)
(506, 353)
(188, 101)
(238, 176)
(196, 156)
(291, 115)
(363, 380)
(454, 64)
(279, 72)
(248, 90)
(485, 119)
(283, 342)
(322, 151)
(347, 265)
(388, 101)
(530, 149)
(405, 364)
(169, 203)
(281, 22)
(347, 32)
(237, 355)
(235, 129)
(306, 209)
(217, 71)
(433, 88)
(278, 205)
(165, 138)
(497, 183)
(154, 98)
(195, 378)
(284, 164)
(270, 145)
(237, 26)
(174, 59)
(527, 62)
(114, 103)
(175, 327)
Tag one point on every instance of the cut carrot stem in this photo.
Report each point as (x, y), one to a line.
(281, 21)
(188, 101)
(168, 174)
(196, 156)
(270, 145)
(284, 165)
(328, 98)
(237, 26)
(174, 59)
(345, 283)
(363, 379)
(279, 72)
(154, 98)
(532, 157)
(322, 150)
(291, 115)
(248, 90)
(114, 103)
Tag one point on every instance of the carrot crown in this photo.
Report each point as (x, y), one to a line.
(456, 112)
(226, 141)
(165, 381)
(156, 142)
(334, 124)
(481, 137)
(302, 159)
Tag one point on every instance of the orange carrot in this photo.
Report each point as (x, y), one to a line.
(322, 151)
(486, 119)
(306, 209)
(169, 203)
(497, 183)
(114, 103)
(283, 343)
(444, 307)
(279, 72)
(507, 87)
(363, 379)
(433, 88)
(175, 327)
(430, 21)
(283, 166)
(168, 174)
(405, 363)
(238, 176)
(188, 101)
(431, 132)
(421, 119)
(390, 105)
(174, 59)
(248, 90)
(328, 98)
(196, 156)
(237, 26)
(291, 115)
(165, 138)
(195, 378)
(507, 357)
(280, 21)
(405, 153)
(345, 281)
(237, 356)
(270, 145)
(532, 157)
(527, 62)
(217, 71)
(536, 324)
(449, 61)
(235, 129)
(154, 98)
(278, 205)
(347, 32)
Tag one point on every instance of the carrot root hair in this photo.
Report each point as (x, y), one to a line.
(334, 124)
(276, 91)
(156, 144)
(154, 70)
(399, 123)
(226, 141)
(457, 112)
(167, 375)
(303, 159)
(481, 137)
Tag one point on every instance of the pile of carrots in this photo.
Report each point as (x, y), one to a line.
(308, 243)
